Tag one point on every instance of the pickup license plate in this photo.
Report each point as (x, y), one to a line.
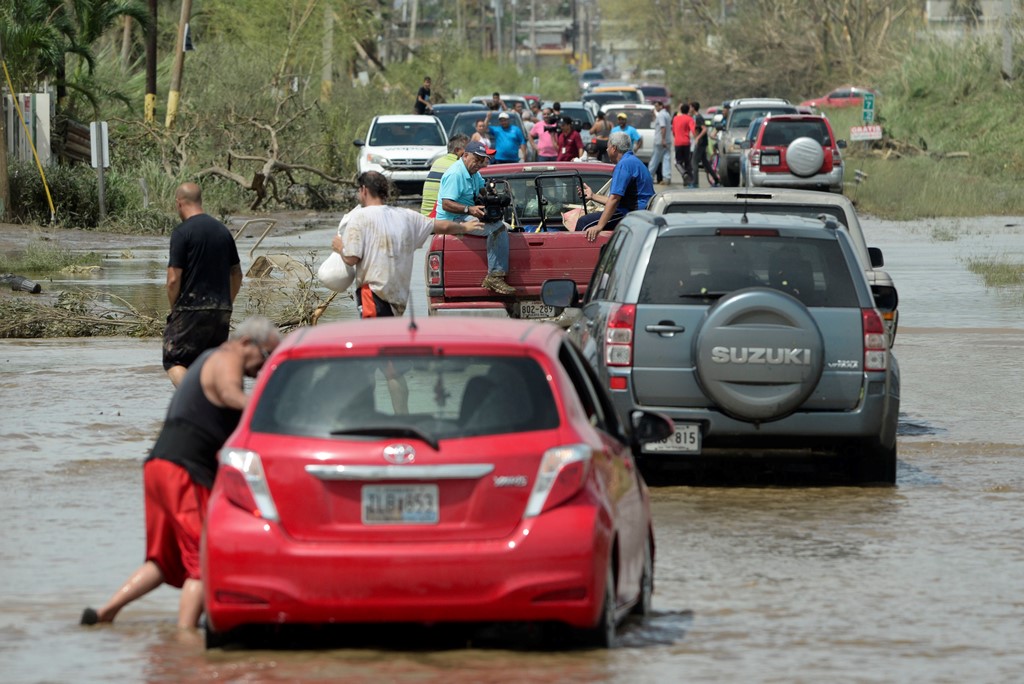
(535, 310)
(770, 159)
(400, 504)
(686, 440)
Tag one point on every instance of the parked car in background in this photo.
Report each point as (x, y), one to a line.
(640, 117)
(402, 147)
(845, 96)
(597, 100)
(500, 487)
(795, 151)
(757, 334)
(446, 111)
(628, 93)
(590, 78)
(734, 127)
(786, 201)
(465, 122)
(656, 92)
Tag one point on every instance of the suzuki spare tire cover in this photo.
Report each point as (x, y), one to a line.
(759, 354)
(804, 157)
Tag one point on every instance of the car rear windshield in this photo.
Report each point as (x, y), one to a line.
(776, 208)
(741, 118)
(653, 90)
(688, 269)
(406, 134)
(579, 114)
(637, 118)
(781, 133)
(448, 396)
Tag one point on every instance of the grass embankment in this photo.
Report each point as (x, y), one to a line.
(43, 257)
(952, 128)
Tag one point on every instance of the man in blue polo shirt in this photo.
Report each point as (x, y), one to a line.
(631, 189)
(460, 185)
(509, 141)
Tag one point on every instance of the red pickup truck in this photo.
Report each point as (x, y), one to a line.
(540, 247)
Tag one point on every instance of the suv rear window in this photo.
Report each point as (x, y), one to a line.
(781, 133)
(449, 397)
(741, 118)
(638, 118)
(775, 208)
(684, 269)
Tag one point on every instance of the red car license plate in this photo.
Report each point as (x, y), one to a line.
(400, 504)
(770, 159)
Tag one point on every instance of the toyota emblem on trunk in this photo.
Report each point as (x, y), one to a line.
(399, 454)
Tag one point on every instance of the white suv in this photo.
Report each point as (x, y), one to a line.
(402, 147)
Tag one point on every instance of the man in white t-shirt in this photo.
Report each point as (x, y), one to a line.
(380, 240)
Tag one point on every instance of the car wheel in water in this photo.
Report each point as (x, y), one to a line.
(644, 600)
(875, 464)
(804, 157)
(602, 635)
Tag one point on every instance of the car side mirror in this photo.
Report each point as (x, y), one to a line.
(841, 144)
(876, 257)
(560, 293)
(746, 145)
(358, 143)
(649, 426)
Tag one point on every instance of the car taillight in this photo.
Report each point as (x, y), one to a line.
(837, 159)
(876, 345)
(434, 268)
(242, 480)
(618, 336)
(755, 157)
(562, 473)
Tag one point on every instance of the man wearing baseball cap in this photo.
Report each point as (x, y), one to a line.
(634, 135)
(460, 185)
(509, 141)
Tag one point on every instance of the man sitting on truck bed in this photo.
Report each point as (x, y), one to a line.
(460, 185)
(632, 188)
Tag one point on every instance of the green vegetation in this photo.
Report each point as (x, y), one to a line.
(997, 272)
(41, 257)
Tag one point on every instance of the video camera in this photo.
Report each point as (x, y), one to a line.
(495, 198)
(551, 123)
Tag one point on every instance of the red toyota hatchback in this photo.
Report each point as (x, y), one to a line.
(451, 470)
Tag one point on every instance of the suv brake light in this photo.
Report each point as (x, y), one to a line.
(618, 336)
(876, 346)
(241, 477)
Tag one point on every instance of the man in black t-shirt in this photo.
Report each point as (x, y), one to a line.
(422, 105)
(203, 279)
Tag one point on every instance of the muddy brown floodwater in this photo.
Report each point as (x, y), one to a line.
(766, 583)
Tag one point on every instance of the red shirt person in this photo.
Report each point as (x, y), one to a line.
(570, 144)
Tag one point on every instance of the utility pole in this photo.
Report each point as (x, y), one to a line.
(1008, 16)
(327, 55)
(412, 27)
(5, 183)
(150, 103)
(174, 95)
(533, 32)
(497, 30)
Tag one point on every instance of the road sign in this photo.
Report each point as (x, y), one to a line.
(100, 144)
(865, 133)
(869, 107)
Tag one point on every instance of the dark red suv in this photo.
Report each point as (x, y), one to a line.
(795, 151)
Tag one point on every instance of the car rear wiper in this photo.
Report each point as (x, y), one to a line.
(705, 294)
(389, 431)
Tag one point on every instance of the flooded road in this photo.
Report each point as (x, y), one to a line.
(922, 582)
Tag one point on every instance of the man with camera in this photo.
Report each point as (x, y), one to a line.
(457, 201)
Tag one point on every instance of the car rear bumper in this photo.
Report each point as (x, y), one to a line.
(255, 574)
(875, 418)
(484, 309)
(831, 181)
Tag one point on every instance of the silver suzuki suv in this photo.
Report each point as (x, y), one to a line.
(757, 334)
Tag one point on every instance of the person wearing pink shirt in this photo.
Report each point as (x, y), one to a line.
(543, 137)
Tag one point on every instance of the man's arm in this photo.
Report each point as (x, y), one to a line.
(174, 284)
(442, 227)
(236, 281)
(221, 379)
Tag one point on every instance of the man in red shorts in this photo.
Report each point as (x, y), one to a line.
(179, 472)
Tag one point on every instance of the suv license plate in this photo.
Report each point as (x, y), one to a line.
(400, 504)
(686, 440)
(535, 310)
(770, 159)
